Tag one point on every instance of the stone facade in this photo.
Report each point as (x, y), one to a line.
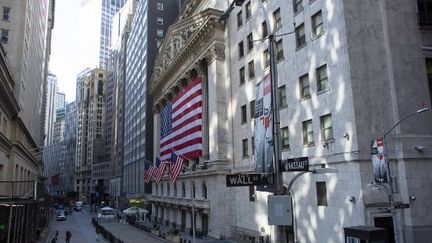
(357, 63)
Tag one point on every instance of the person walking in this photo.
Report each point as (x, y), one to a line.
(56, 235)
(68, 236)
(54, 240)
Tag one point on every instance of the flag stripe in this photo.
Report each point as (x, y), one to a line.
(181, 123)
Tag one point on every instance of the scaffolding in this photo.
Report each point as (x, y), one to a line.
(24, 211)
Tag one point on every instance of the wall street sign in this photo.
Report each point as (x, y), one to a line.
(249, 180)
(296, 164)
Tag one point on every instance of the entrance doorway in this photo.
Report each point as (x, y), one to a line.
(204, 224)
(387, 223)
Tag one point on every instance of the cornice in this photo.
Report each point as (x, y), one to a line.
(184, 40)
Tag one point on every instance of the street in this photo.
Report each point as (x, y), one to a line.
(79, 224)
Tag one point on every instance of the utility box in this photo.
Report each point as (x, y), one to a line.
(280, 210)
(366, 234)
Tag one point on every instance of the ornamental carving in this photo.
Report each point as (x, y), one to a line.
(184, 40)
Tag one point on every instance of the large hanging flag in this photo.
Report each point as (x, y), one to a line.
(181, 123)
(379, 160)
(177, 162)
(160, 171)
(148, 171)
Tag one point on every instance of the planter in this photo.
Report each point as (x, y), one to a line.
(155, 232)
(174, 238)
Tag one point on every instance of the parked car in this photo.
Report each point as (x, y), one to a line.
(78, 206)
(61, 216)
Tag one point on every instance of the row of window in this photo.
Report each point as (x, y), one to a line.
(317, 30)
(183, 189)
(326, 125)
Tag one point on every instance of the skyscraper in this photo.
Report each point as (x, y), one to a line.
(150, 22)
(95, 31)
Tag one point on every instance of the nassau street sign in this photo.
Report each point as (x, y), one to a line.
(296, 164)
(249, 180)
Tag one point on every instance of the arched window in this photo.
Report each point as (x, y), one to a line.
(204, 190)
(100, 87)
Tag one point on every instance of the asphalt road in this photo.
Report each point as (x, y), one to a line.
(79, 224)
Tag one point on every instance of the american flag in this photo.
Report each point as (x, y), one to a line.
(160, 170)
(148, 172)
(181, 123)
(176, 166)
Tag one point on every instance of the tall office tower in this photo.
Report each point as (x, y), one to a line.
(68, 177)
(119, 36)
(24, 35)
(149, 25)
(90, 132)
(95, 31)
(51, 92)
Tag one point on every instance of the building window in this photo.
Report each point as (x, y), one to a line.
(282, 97)
(298, 5)
(242, 75)
(322, 80)
(277, 20)
(321, 193)
(243, 114)
(304, 87)
(4, 35)
(266, 57)
(424, 12)
(317, 25)
(250, 42)
(300, 36)
(193, 189)
(252, 193)
(252, 109)
(253, 145)
(175, 189)
(240, 49)
(160, 6)
(251, 66)
(6, 13)
(429, 75)
(160, 21)
(326, 128)
(264, 30)
(284, 138)
(245, 148)
(168, 189)
(239, 19)
(162, 189)
(159, 33)
(183, 189)
(308, 137)
(204, 190)
(279, 50)
(248, 10)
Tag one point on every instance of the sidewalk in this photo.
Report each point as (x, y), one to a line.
(129, 234)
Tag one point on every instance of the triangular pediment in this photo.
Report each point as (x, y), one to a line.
(180, 38)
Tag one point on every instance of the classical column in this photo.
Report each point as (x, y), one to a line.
(217, 105)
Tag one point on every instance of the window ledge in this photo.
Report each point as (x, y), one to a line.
(286, 149)
(305, 98)
(280, 60)
(283, 107)
(243, 122)
(242, 57)
(331, 140)
(246, 157)
(300, 47)
(239, 26)
(314, 37)
(298, 11)
(323, 91)
(309, 145)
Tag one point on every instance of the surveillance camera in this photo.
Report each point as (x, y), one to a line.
(351, 199)
(412, 198)
(420, 148)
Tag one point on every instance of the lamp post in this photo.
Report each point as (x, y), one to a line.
(280, 235)
(391, 192)
(290, 184)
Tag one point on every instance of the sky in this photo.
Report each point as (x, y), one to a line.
(64, 49)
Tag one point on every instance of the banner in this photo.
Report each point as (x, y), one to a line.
(263, 127)
(379, 160)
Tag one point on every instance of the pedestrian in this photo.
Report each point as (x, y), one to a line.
(97, 234)
(56, 235)
(68, 236)
(54, 240)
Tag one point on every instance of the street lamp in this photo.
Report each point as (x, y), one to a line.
(290, 184)
(391, 192)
